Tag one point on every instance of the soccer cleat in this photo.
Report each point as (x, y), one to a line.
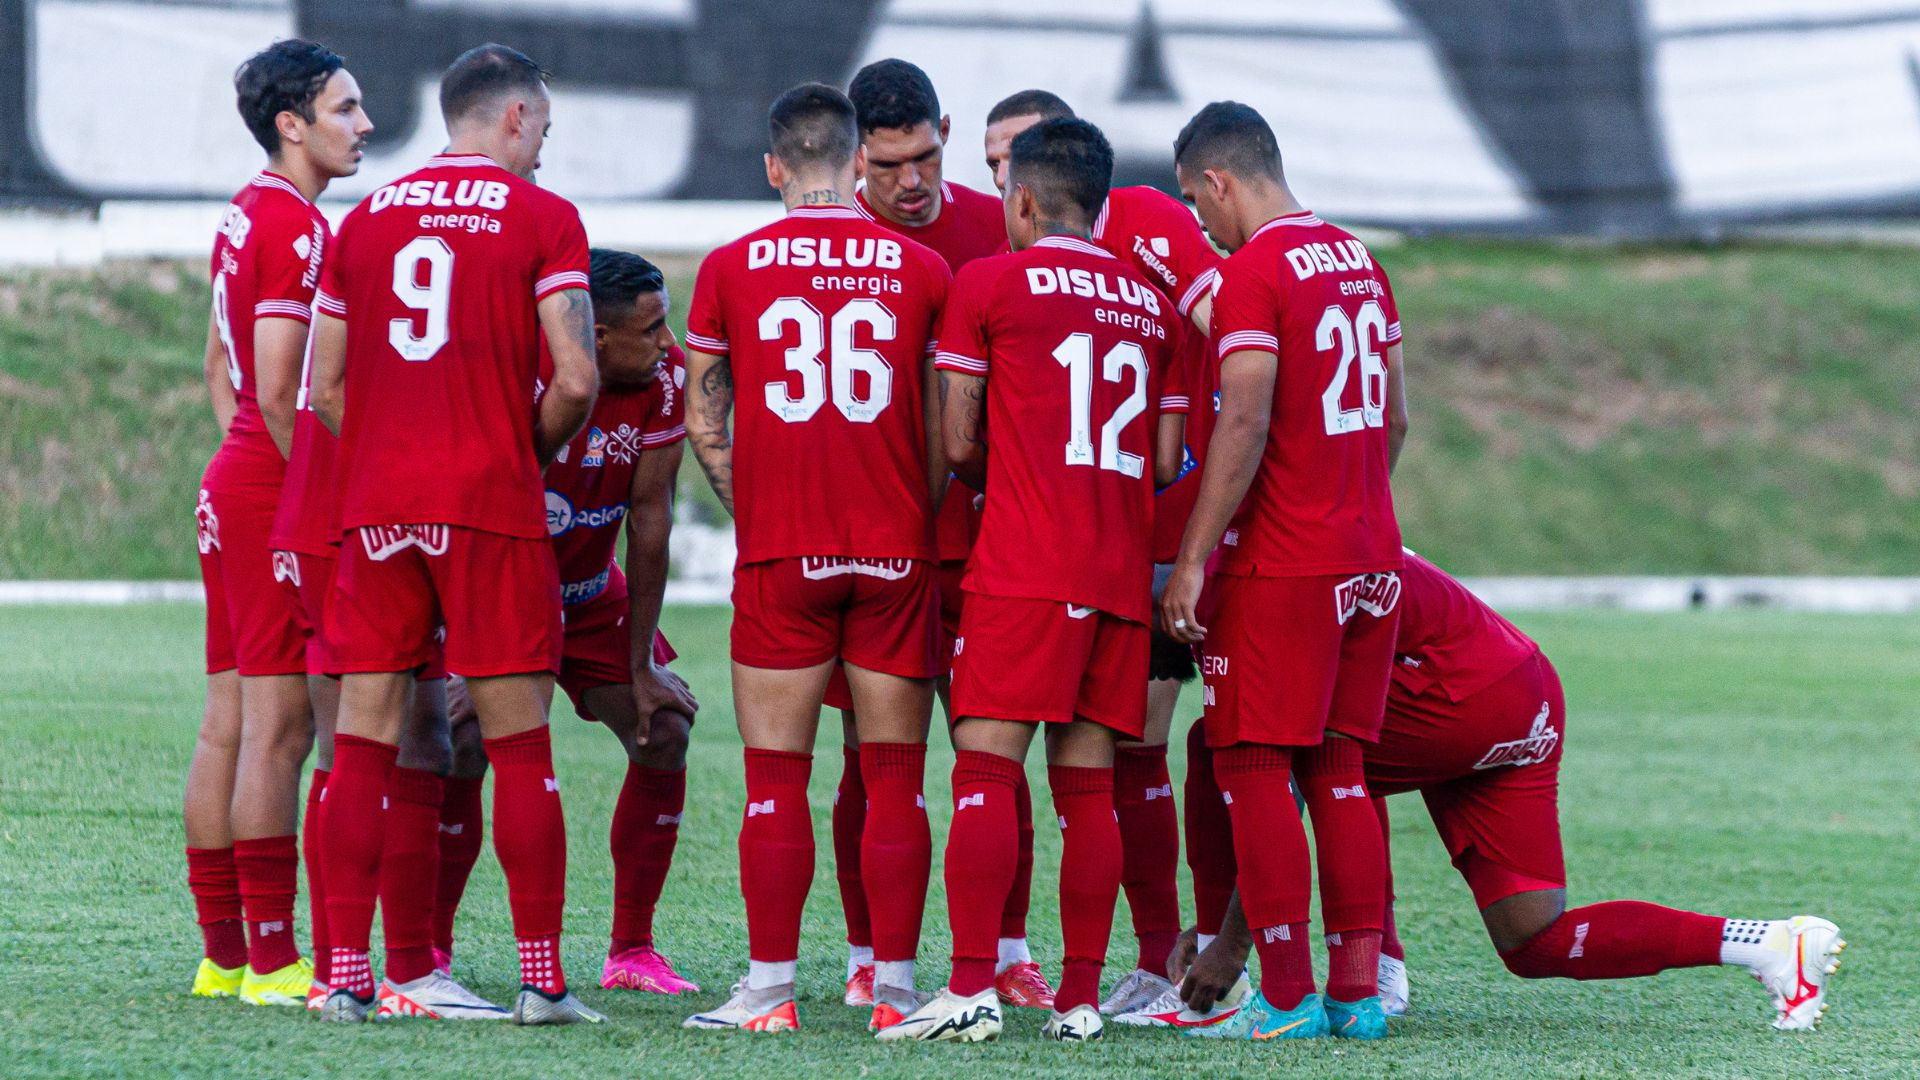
(1805, 951)
(287, 986)
(860, 987)
(1170, 1010)
(317, 995)
(766, 1010)
(892, 1004)
(1024, 987)
(535, 1006)
(443, 960)
(1394, 988)
(1140, 987)
(1361, 1019)
(1080, 1024)
(948, 1017)
(645, 969)
(1258, 1021)
(434, 997)
(344, 1007)
(211, 980)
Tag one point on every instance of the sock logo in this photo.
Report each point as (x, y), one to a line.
(976, 799)
(277, 927)
(755, 809)
(1227, 797)
(1334, 939)
(1164, 791)
(1357, 791)
(1579, 942)
(1276, 933)
(1063, 822)
(553, 785)
(454, 829)
(667, 819)
(920, 801)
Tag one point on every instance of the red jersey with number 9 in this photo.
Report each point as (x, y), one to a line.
(1079, 353)
(827, 320)
(438, 275)
(1310, 294)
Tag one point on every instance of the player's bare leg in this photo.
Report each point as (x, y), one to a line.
(276, 733)
(646, 826)
(1150, 851)
(324, 695)
(373, 712)
(849, 825)
(209, 827)
(778, 711)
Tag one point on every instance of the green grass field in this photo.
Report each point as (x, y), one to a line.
(1748, 763)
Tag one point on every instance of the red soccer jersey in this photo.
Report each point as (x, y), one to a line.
(828, 320)
(1449, 639)
(591, 478)
(971, 225)
(1078, 352)
(308, 518)
(438, 276)
(266, 264)
(1310, 293)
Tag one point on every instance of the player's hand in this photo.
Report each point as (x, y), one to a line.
(1213, 974)
(656, 688)
(1186, 949)
(1178, 601)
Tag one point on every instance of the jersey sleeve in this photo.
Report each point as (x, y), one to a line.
(1189, 255)
(665, 424)
(284, 267)
(1176, 389)
(939, 288)
(563, 258)
(706, 326)
(1246, 314)
(963, 328)
(330, 297)
(1392, 309)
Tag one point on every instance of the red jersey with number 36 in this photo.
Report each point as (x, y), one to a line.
(827, 320)
(1310, 294)
(1079, 355)
(438, 275)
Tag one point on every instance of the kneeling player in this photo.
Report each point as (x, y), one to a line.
(1476, 723)
(1063, 353)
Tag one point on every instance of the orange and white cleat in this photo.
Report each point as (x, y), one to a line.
(1802, 952)
(768, 1009)
(860, 987)
(317, 996)
(891, 1004)
(1024, 987)
(434, 997)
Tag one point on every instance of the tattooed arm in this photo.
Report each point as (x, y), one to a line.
(962, 409)
(567, 319)
(709, 404)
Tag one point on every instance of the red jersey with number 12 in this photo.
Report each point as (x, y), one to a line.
(827, 320)
(438, 275)
(1310, 294)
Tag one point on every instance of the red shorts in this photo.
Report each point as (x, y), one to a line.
(497, 596)
(252, 622)
(880, 614)
(595, 649)
(1044, 661)
(1289, 659)
(952, 601)
(311, 579)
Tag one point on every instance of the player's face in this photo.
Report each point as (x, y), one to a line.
(337, 137)
(1202, 191)
(903, 171)
(1000, 136)
(631, 349)
(532, 121)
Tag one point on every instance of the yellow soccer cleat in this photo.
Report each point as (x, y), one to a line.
(214, 981)
(288, 986)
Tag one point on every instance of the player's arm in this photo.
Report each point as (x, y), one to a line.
(709, 408)
(1396, 404)
(649, 523)
(567, 319)
(1207, 977)
(327, 392)
(962, 401)
(1169, 448)
(1233, 459)
(219, 383)
(938, 471)
(279, 348)
(1201, 314)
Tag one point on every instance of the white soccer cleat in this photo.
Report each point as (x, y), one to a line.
(534, 1006)
(1170, 1010)
(769, 1009)
(949, 1018)
(1141, 987)
(1394, 989)
(1080, 1024)
(1803, 952)
(434, 997)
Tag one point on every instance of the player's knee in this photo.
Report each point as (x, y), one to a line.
(666, 745)
(1542, 955)
(469, 758)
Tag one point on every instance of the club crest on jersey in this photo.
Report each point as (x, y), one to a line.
(623, 444)
(206, 524)
(596, 454)
(1375, 594)
(822, 567)
(286, 567)
(1538, 746)
(385, 541)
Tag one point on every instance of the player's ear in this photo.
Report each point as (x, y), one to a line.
(946, 125)
(860, 160)
(292, 128)
(1217, 183)
(776, 175)
(599, 338)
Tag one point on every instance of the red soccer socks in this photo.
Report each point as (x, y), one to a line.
(530, 837)
(269, 871)
(1089, 878)
(849, 826)
(1620, 939)
(1209, 836)
(409, 868)
(462, 835)
(216, 901)
(352, 834)
(1149, 850)
(776, 852)
(1352, 861)
(646, 826)
(1275, 872)
(896, 851)
(982, 850)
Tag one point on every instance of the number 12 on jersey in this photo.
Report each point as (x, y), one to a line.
(1076, 355)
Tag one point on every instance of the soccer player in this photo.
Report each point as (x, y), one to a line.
(1476, 723)
(829, 320)
(430, 315)
(1159, 237)
(1059, 395)
(243, 789)
(904, 135)
(1312, 413)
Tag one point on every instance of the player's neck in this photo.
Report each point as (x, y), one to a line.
(1064, 228)
(802, 193)
(301, 173)
(478, 143)
(1265, 206)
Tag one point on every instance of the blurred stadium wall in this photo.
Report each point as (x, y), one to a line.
(1601, 117)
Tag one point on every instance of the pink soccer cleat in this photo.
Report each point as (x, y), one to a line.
(645, 969)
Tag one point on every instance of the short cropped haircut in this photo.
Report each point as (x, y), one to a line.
(1066, 163)
(1044, 104)
(1229, 136)
(286, 76)
(484, 74)
(812, 125)
(617, 279)
(893, 94)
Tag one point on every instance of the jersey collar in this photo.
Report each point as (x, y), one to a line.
(1072, 243)
(823, 212)
(1304, 217)
(461, 161)
(270, 179)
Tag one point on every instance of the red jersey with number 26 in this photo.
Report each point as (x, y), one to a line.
(1078, 351)
(438, 275)
(828, 320)
(1309, 293)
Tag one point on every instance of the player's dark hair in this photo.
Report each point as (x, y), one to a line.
(617, 278)
(1067, 164)
(1229, 136)
(812, 125)
(893, 94)
(286, 76)
(483, 75)
(1044, 104)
